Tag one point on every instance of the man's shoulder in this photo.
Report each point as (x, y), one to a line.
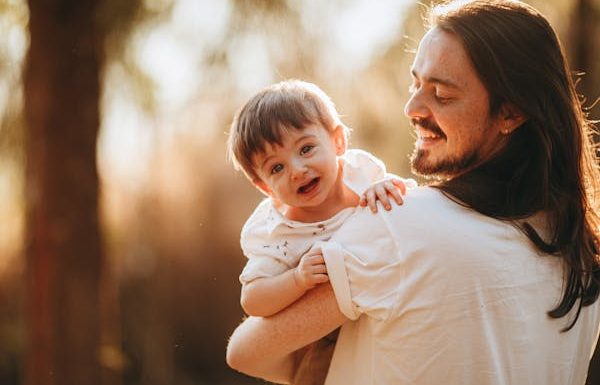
(417, 202)
(422, 199)
(422, 207)
(425, 208)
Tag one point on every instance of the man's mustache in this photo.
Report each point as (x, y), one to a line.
(428, 125)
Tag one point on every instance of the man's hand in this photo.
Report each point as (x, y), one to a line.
(310, 271)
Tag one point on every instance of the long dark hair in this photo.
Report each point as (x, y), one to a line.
(549, 164)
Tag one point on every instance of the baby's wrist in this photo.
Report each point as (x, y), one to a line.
(298, 280)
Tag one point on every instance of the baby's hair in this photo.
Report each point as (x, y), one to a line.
(268, 115)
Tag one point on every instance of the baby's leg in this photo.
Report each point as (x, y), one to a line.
(314, 360)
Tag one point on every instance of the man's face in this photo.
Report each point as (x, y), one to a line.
(449, 108)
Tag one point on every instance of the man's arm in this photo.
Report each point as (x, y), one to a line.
(264, 347)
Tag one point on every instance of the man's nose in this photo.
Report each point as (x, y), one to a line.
(415, 107)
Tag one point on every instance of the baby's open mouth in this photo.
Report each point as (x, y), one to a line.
(309, 186)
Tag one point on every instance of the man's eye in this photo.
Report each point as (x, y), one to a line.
(277, 168)
(306, 149)
(442, 99)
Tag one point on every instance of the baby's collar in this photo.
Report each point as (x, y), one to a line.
(274, 218)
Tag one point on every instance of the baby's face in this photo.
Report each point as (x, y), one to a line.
(303, 171)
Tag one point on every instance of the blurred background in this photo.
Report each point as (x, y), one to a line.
(119, 214)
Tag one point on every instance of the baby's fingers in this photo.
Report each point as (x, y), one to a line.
(320, 278)
(394, 192)
(314, 259)
(318, 269)
(363, 200)
(381, 190)
(370, 199)
(399, 183)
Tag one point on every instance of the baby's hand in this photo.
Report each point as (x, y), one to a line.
(393, 185)
(310, 271)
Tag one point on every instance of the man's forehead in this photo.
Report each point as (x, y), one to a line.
(441, 58)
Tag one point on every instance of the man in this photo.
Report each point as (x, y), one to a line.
(490, 275)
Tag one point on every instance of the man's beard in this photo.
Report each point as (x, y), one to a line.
(443, 169)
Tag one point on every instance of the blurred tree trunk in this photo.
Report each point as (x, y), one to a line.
(63, 247)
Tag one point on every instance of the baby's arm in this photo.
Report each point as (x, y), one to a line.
(381, 190)
(266, 296)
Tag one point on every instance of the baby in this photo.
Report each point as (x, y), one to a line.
(291, 144)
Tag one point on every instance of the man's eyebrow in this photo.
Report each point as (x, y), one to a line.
(433, 79)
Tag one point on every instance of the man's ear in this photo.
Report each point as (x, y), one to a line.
(262, 186)
(512, 118)
(340, 139)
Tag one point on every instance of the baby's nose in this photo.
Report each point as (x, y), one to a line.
(299, 168)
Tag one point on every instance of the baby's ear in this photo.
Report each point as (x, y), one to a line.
(340, 139)
(262, 186)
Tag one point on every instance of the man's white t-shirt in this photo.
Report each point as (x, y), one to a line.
(441, 294)
(274, 244)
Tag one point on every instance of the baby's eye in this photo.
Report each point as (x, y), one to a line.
(276, 168)
(306, 149)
